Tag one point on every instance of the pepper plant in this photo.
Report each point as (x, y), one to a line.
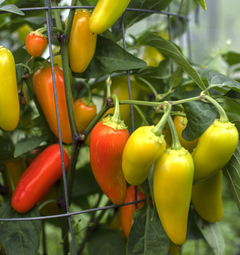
(118, 150)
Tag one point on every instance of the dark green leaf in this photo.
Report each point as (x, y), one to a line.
(132, 17)
(160, 72)
(28, 144)
(84, 3)
(19, 237)
(84, 182)
(12, 9)
(232, 173)
(110, 57)
(147, 235)
(193, 233)
(106, 241)
(175, 78)
(234, 118)
(230, 105)
(202, 4)
(170, 50)
(200, 116)
(212, 234)
(231, 58)
(20, 69)
(216, 79)
(6, 148)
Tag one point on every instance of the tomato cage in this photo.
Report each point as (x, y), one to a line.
(24, 236)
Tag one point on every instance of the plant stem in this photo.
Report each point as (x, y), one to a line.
(157, 130)
(222, 113)
(149, 85)
(90, 229)
(57, 16)
(68, 91)
(185, 100)
(144, 120)
(71, 171)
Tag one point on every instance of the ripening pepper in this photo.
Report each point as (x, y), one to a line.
(142, 149)
(82, 42)
(106, 13)
(9, 101)
(180, 124)
(107, 141)
(207, 198)
(39, 178)
(84, 112)
(43, 88)
(214, 149)
(172, 186)
(128, 210)
(35, 43)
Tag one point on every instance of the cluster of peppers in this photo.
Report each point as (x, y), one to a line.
(193, 168)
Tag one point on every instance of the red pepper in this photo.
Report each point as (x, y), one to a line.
(107, 141)
(128, 210)
(39, 177)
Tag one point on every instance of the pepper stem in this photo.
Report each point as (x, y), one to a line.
(222, 113)
(157, 130)
(176, 145)
(116, 116)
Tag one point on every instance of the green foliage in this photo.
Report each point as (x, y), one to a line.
(200, 116)
(147, 235)
(20, 237)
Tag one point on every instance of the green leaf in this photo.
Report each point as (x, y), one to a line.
(212, 234)
(6, 148)
(216, 79)
(107, 241)
(147, 235)
(19, 237)
(20, 69)
(12, 9)
(231, 58)
(200, 116)
(175, 78)
(230, 105)
(110, 57)
(202, 4)
(132, 17)
(170, 50)
(84, 182)
(234, 118)
(232, 173)
(28, 144)
(160, 72)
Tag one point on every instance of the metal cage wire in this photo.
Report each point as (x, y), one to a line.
(48, 14)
